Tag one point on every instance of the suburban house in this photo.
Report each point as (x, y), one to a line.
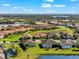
(51, 35)
(77, 31)
(50, 43)
(39, 35)
(76, 36)
(2, 55)
(37, 27)
(14, 30)
(76, 26)
(66, 43)
(66, 36)
(53, 22)
(2, 34)
(44, 25)
(26, 36)
(42, 22)
(38, 41)
(30, 43)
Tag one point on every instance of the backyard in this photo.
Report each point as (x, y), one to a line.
(59, 29)
(33, 52)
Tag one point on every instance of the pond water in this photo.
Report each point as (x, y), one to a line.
(58, 57)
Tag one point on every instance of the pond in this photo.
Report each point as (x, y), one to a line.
(58, 57)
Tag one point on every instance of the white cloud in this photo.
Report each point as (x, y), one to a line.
(61, 5)
(30, 10)
(46, 5)
(50, 0)
(6, 4)
(73, 0)
(15, 7)
(25, 9)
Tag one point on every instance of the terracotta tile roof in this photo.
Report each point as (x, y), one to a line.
(16, 29)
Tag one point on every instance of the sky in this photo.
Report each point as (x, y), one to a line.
(39, 6)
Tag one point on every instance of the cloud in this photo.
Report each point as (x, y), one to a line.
(25, 9)
(73, 0)
(50, 0)
(6, 5)
(46, 5)
(30, 10)
(61, 5)
(15, 7)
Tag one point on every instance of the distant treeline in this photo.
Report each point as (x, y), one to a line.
(31, 18)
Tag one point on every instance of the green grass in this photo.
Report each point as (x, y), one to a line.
(33, 52)
(11, 38)
(76, 21)
(59, 29)
(65, 29)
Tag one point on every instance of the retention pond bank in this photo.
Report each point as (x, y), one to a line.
(58, 57)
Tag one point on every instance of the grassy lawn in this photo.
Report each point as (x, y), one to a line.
(51, 51)
(33, 52)
(17, 36)
(60, 28)
(65, 29)
(11, 38)
(77, 21)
